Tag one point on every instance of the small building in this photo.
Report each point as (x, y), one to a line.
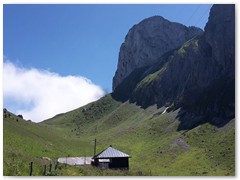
(111, 158)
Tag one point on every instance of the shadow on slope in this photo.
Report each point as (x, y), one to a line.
(215, 104)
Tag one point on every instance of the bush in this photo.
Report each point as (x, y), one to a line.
(20, 116)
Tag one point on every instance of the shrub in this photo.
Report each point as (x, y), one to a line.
(20, 116)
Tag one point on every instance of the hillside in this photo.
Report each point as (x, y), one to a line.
(25, 142)
(153, 139)
(150, 137)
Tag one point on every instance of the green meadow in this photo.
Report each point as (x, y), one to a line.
(156, 146)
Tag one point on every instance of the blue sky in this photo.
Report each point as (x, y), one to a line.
(81, 39)
(62, 42)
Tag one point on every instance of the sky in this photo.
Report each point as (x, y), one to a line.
(59, 57)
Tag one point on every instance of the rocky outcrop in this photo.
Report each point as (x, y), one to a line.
(220, 34)
(186, 71)
(147, 41)
(198, 77)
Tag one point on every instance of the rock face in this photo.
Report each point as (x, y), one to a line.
(147, 41)
(220, 34)
(198, 77)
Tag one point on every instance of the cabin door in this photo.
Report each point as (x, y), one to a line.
(104, 165)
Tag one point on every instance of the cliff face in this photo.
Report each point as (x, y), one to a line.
(198, 77)
(220, 34)
(147, 41)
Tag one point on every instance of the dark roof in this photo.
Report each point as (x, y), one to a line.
(111, 152)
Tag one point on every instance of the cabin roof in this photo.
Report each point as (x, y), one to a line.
(111, 152)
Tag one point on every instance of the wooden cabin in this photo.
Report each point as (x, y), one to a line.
(111, 158)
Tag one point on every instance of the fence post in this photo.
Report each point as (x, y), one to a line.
(50, 167)
(45, 170)
(31, 168)
(56, 166)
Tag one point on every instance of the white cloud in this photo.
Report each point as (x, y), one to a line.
(43, 94)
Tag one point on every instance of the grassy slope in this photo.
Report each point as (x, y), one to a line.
(24, 142)
(154, 143)
(152, 139)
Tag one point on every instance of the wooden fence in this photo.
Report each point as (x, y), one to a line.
(46, 171)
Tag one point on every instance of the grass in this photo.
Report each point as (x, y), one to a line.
(94, 171)
(151, 77)
(24, 142)
(150, 138)
(193, 43)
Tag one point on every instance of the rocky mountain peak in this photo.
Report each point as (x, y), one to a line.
(147, 41)
(198, 77)
(220, 34)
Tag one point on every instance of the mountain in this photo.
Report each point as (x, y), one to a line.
(147, 41)
(198, 77)
(174, 116)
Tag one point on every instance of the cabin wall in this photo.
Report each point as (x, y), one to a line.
(119, 163)
(115, 163)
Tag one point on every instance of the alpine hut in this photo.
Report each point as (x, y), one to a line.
(111, 158)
